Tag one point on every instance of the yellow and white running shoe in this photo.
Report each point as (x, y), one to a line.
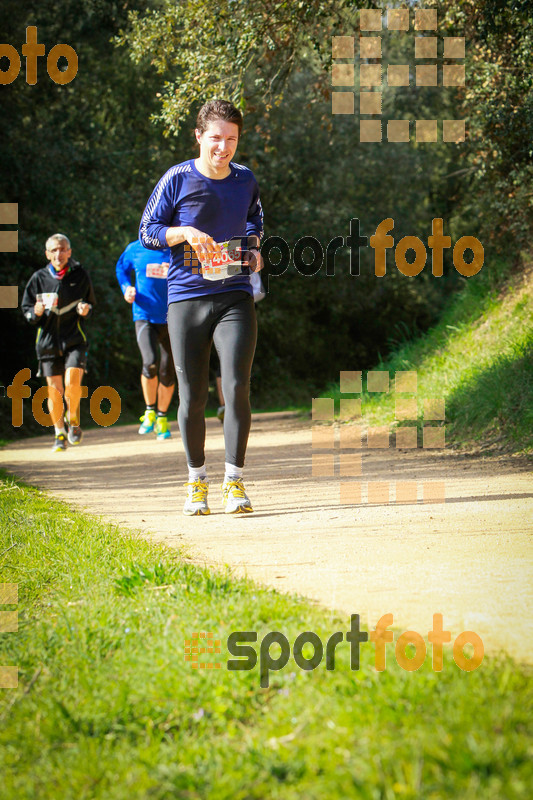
(196, 502)
(235, 498)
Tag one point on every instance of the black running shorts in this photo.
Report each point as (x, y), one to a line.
(73, 357)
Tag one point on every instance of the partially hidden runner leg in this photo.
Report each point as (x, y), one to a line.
(167, 380)
(147, 342)
(73, 379)
(57, 411)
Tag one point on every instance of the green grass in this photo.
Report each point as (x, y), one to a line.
(479, 357)
(108, 708)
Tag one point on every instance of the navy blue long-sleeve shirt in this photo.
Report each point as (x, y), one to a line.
(225, 209)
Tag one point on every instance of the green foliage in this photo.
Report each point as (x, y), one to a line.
(81, 159)
(498, 102)
(234, 49)
(108, 708)
(84, 157)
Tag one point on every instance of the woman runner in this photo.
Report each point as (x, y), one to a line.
(196, 208)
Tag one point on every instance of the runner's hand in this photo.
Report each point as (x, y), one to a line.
(252, 258)
(129, 294)
(38, 309)
(83, 309)
(203, 245)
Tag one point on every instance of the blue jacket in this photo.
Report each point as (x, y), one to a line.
(139, 267)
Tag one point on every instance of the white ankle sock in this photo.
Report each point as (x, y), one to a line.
(197, 472)
(58, 430)
(233, 472)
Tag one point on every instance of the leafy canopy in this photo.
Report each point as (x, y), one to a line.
(236, 49)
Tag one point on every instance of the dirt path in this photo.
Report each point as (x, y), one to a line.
(469, 558)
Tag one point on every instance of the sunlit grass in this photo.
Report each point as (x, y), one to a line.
(107, 706)
(480, 359)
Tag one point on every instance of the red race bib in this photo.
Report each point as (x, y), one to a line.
(157, 270)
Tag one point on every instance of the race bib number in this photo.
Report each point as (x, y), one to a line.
(225, 266)
(48, 299)
(157, 270)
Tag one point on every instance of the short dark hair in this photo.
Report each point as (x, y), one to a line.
(218, 109)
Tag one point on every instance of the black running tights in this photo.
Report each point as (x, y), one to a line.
(227, 319)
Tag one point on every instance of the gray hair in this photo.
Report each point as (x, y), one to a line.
(58, 237)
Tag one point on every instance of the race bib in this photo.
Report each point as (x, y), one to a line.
(157, 270)
(48, 299)
(225, 266)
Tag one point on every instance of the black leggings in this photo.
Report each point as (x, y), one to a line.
(227, 319)
(148, 335)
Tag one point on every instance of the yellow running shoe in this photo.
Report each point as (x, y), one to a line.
(196, 502)
(235, 498)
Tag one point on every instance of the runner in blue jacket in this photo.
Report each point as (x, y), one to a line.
(142, 276)
(196, 208)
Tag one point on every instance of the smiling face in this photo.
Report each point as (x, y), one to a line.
(218, 144)
(58, 253)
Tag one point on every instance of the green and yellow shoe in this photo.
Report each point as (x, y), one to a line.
(148, 422)
(161, 428)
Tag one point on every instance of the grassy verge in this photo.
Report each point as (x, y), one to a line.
(479, 358)
(107, 707)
